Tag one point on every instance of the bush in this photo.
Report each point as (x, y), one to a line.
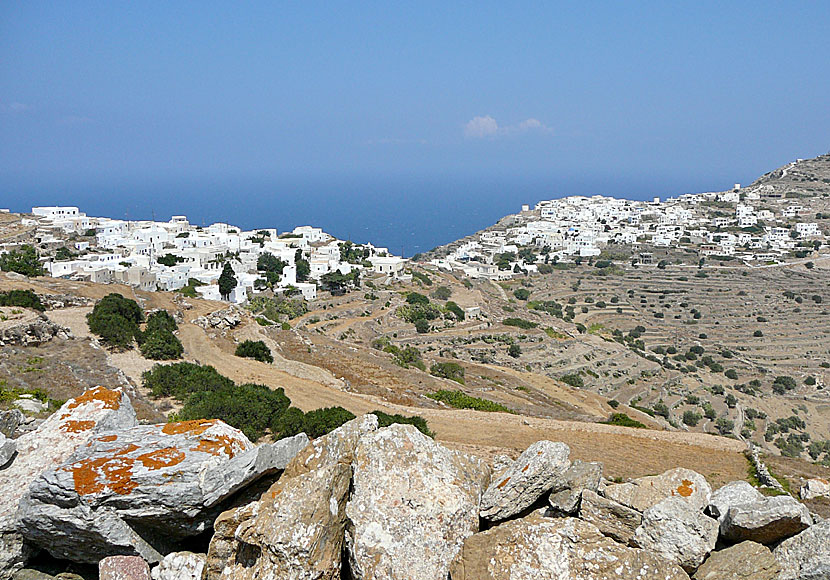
(660, 408)
(22, 298)
(573, 380)
(461, 400)
(290, 423)
(623, 420)
(318, 422)
(724, 425)
(115, 319)
(448, 370)
(514, 350)
(731, 374)
(442, 293)
(255, 349)
(180, 380)
(23, 261)
(160, 320)
(417, 298)
(757, 334)
(521, 293)
(691, 418)
(613, 403)
(422, 325)
(456, 310)
(385, 419)
(520, 323)
(161, 345)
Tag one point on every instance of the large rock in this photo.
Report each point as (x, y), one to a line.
(814, 488)
(123, 568)
(180, 566)
(744, 561)
(538, 548)
(10, 420)
(807, 555)
(732, 494)
(645, 492)
(611, 518)
(565, 495)
(765, 521)
(60, 435)
(537, 470)
(7, 450)
(297, 528)
(678, 532)
(413, 504)
(133, 491)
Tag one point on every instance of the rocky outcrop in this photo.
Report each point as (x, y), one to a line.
(297, 528)
(31, 331)
(565, 495)
(677, 531)
(732, 494)
(611, 518)
(135, 490)
(765, 521)
(70, 428)
(7, 450)
(807, 555)
(814, 488)
(123, 568)
(645, 492)
(180, 566)
(535, 472)
(744, 561)
(413, 504)
(221, 319)
(10, 421)
(538, 548)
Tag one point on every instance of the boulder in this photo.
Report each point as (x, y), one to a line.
(645, 492)
(538, 469)
(29, 404)
(678, 532)
(538, 548)
(814, 488)
(7, 450)
(611, 518)
(123, 568)
(133, 491)
(807, 555)
(413, 504)
(10, 420)
(297, 528)
(29, 574)
(60, 435)
(731, 494)
(744, 561)
(180, 566)
(565, 495)
(765, 521)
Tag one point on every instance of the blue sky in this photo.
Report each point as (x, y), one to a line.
(618, 96)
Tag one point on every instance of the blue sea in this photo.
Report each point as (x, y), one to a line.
(406, 214)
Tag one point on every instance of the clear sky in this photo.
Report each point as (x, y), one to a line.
(663, 96)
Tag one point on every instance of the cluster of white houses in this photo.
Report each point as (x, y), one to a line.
(137, 253)
(745, 224)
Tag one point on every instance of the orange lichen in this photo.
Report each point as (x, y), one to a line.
(195, 427)
(525, 468)
(161, 458)
(108, 438)
(111, 399)
(217, 445)
(127, 449)
(96, 475)
(686, 488)
(73, 426)
(503, 483)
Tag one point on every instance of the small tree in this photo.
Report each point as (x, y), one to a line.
(514, 350)
(227, 281)
(23, 261)
(162, 345)
(255, 349)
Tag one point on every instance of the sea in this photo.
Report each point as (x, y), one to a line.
(407, 215)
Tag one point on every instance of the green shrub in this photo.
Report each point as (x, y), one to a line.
(521, 293)
(520, 323)
(288, 424)
(456, 310)
(115, 319)
(180, 380)
(573, 380)
(255, 349)
(161, 345)
(385, 419)
(514, 350)
(23, 261)
(691, 418)
(417, 298)
(442, 293)
(22, 298)
(160, 320)
(318, 422)
(422, 325)
(448, 370)
(613, 403)
(461, 400)
(731, 374)
(623, 420)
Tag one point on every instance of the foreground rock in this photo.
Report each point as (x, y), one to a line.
(744, 561)
(678, 532)
(10, 420)
(71, 427)
(535, 472)
(7, 450)
(565, 496)
(814, 488)
(765, 521)
(134, 491)
(180, 566)
(807, 555)
(732, 494)
(413, 504)
(297, 528)
(611, 518)
(538, 548)
(123, 568)
(645, 492)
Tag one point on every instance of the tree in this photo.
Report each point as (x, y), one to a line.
(448, 370)
(302, 265)
(115, 319)
(514, 350)
(255, 349)
(23, 261)
(227, 281)
(422, 325)
(521, 293)
(162, 345)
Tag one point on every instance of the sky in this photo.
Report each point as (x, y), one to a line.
(623, 98)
